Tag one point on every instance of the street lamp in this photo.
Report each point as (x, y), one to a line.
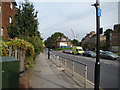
(97, 64)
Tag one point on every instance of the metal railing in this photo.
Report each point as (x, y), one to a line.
(75, 69)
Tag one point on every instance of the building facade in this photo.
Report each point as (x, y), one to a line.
(87, 38)
(115, 39)
(64, 42)
(7, 13)
(93, 39)
(90, 40)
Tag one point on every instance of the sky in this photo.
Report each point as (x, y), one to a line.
(78, 16)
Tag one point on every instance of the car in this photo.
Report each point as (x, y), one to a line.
(64, 51)
(67, 51)
(101, 51)
(89, 54)
(108, 55)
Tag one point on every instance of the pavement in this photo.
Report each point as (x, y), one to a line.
(45, 75)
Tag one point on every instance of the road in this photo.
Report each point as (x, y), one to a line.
(108, 72)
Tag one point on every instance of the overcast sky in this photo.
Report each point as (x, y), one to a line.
(79, 16)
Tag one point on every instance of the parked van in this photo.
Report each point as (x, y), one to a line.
(77, 50)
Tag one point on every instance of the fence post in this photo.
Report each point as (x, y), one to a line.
(53, 58)
(21, 58)
(13, 53)
(16, 54)
(65, 64)
(55, 61)
(61, 63)
(51, 54)
(73, 68)
(58, 61)
(10, 50)
(85, 77)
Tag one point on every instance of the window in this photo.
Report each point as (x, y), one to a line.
(11, 5)
(110, 34)
(1, 31)
(10, 19)
(79, 50)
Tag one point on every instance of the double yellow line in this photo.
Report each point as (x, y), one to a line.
(88, 81)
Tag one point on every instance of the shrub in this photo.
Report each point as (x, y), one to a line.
(37, 43)
(63, 48)
(19, 44)
(3, 49)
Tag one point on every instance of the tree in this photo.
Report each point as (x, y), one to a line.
(103, 45)
(51, 42)
(75, 42)
(48, 42)
(107, 34)
(80, 43)
(25, 22)
(25, 26)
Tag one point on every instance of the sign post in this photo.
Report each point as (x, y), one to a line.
(97, 63)
(48, 53)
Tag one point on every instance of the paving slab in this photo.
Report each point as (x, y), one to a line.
(44, 77)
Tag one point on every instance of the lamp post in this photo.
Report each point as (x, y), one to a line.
(48, 53)
(97, 63)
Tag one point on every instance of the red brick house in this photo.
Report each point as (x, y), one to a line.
(7, 12)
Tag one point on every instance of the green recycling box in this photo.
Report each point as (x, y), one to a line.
(10, 72)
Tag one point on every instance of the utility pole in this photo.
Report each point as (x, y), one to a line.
(97, 64)
(48, 53)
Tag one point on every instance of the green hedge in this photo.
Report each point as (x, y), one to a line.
(63, 48)
(19, 44)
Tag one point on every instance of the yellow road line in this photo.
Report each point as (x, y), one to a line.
(83, 78)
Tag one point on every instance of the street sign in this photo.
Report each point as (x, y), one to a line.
(99, 12)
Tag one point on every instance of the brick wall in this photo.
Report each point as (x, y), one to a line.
(6, 13)
(24, 80)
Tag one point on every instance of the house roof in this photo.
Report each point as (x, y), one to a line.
(13, 1)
